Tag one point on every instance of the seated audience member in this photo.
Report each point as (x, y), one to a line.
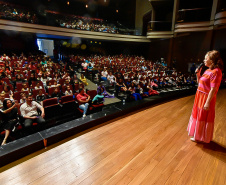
(120, 86)
(134, 92)
(90, 68)
(75, 80)
(68, 91)
(44, 79)
(23, 98)
(2, 98)
(111, 78)
(24, 87)
(151, 91)
(40, 97)
(83, 79)
(6, 90)
(83, 100)
(2, 82)
(18, 79)
(141, 91)
(66, 77)
(56, 93)
(98, 99)
(29, 111)
(104, 75)
(66, 82)
(38, 86)
(32, 78)
(9, 117)
(84, 66)
(55, 84)
(49, 85)
(101, 89)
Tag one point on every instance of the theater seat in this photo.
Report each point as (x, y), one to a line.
(92, 94)
(69, 105)
(52, 108)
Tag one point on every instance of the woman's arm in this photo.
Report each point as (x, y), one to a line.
(10, 109)
(209, 98)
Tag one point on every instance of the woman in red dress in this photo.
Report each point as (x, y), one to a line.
(201, 123)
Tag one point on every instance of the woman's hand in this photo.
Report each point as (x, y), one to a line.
(206, 106)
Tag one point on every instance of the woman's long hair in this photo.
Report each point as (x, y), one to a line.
(5, 103)
(216, 58)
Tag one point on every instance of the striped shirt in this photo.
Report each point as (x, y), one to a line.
(211, 78)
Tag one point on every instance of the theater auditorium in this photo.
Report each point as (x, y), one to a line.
(112, 92)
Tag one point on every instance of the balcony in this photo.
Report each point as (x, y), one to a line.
(67, 32)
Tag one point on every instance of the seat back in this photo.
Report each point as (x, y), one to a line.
(35, 92)
(67, 99)
(50, 102)
(92, 93)
(51, 89)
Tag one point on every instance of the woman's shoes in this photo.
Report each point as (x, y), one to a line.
(193, 139)
(3, 142)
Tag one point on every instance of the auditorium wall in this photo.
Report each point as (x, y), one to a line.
(12, 41)
(185, 48)
(219, 43)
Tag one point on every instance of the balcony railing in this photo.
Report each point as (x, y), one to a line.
(159, 26)
(194, 15)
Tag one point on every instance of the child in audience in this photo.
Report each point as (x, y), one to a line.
(38, 86)
(83, 79)
(22, 98)
(135, 92)
(56, 93)
(98, 99)
(25, 88)
(68, 91)
(55, 84)
(49, 84)
(40, 97)
(141, 90)
(6, 90)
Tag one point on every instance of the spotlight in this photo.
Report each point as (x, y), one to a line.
(68, 3)
(87, 6)
(116, 11)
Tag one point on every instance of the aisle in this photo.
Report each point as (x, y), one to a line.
(93, 86)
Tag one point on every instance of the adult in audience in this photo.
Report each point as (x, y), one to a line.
(9, 117)
(29, 111)
(83, 100)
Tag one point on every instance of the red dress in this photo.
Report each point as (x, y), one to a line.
(201, 123)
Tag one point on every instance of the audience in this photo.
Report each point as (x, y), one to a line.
(134, 76)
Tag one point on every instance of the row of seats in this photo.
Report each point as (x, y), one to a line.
(68, 107)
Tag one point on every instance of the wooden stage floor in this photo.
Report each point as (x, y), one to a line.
(147, 147)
